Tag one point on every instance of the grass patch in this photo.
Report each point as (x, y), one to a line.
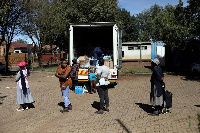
(126, 71)
(46, 69)
(132, 71)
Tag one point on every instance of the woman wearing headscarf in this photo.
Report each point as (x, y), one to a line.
(24, 96)
(63, 73)
(156, 95)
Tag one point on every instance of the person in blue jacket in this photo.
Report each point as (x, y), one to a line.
(156, 95)
(98, 54)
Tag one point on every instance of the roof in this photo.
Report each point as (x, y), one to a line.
(136, 43)
(48, 47)
(93, 24)
(19, 45)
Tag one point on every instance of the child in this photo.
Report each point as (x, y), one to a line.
(24, 96)
(92, 77)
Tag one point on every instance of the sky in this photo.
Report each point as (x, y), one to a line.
(132, 6)
(137, 6)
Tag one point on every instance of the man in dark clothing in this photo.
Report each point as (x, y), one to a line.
(97, 54)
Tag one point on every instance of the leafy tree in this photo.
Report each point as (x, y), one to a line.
(129, 26)
(193, 14)
(11, 11)
(86, 11)
(147, 27)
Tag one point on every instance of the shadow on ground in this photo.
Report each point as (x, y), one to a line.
(197, 105)
(123, 125)
(188, 75)
(2, 98)
(96, 105)
(62, 104)
(30, 105)
(147, 108)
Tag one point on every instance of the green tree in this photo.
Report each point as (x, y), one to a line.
(147, 26)
(11, 11)
(128, 24)
(193, 14)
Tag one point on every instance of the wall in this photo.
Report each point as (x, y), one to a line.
(136, 53)
(14, 59)
(47, 57)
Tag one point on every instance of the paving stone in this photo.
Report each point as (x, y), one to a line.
(129, 102)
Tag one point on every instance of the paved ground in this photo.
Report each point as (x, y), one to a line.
(129, 108)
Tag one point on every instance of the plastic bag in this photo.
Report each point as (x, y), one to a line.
(102, 81)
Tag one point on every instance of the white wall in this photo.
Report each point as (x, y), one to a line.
(161, 55)
(135, 54)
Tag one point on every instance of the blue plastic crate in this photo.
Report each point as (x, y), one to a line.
(78, 90)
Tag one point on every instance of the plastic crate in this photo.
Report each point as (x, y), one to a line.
(78, 90)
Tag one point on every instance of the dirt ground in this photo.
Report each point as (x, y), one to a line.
(135, 65)
(129, 107)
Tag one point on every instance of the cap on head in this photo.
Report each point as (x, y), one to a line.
(22, 64)
(156, 61)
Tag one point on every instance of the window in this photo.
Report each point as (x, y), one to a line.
(144, 48)
(130, 48)
(137, 48)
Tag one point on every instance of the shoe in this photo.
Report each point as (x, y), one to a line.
(70, 107)
(20, 109)
(106, 110)
(63, 111)
(97, 112)
(27, 108)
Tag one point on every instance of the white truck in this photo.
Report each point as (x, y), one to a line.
(85, 37)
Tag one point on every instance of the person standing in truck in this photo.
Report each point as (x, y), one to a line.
(97, 54)
(63, 73)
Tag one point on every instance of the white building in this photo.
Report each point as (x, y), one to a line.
(136, 51)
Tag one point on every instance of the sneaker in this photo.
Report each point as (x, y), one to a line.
(106, 110)
(20, 109)
(70, 107)
(27, 108)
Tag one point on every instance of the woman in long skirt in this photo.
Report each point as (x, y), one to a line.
(156, 95)
(24, 96)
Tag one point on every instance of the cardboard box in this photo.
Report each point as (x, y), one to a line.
(84, 61)
(108, 63)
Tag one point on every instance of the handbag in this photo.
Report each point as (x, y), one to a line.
(102, 81)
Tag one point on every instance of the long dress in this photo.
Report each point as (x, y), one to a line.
(21, 97)
(156, 95)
